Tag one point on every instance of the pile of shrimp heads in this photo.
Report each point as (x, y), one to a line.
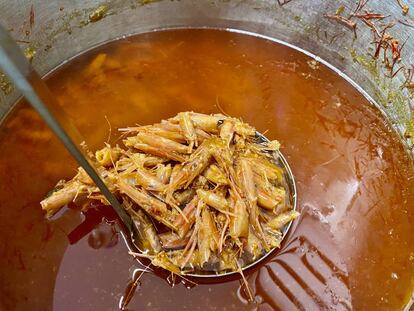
(203, 192)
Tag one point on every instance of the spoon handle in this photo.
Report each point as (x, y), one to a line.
(27, 80)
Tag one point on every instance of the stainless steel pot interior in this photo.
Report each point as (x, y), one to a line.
(59, 30)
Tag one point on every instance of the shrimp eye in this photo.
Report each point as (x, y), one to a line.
(220, 122)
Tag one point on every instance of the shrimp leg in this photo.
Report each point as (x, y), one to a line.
(152, 206)
(239, 225)
(191, 169)
(216, 201)
(187, 127)
(208, 238)
(60, 198)
(137, 144)
(164, 173)
(227, 131)
(190, 212)
(162, 143)
(147, 180)
(268, 196)
(147, 234)
(247, 181)
(281, 220)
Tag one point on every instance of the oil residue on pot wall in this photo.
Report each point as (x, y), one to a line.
(352, 247)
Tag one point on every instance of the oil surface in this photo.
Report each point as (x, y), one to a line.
(352, 247)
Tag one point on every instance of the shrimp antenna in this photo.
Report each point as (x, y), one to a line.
(221, 108)
(110, 129)
(245, 283)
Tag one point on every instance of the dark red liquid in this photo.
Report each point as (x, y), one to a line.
(352, 247)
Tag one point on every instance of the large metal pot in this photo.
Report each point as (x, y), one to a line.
(54, 31)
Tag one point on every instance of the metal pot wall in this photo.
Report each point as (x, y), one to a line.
(52, 32)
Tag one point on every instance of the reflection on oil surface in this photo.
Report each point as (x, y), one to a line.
(352, 247)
